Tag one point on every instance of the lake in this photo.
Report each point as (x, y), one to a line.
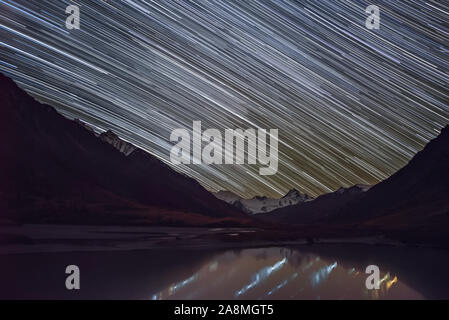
(304, 272)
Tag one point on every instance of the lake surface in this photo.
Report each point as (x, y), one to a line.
(306, 272)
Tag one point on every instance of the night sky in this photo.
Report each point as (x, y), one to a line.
(352, 105)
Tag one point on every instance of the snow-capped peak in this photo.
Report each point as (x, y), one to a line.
(260, 204)
(113, 139)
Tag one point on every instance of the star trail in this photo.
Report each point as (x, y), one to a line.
(352, 105)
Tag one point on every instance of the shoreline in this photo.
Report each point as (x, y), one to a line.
(30, 239)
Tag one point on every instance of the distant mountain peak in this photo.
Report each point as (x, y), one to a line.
(291, 192)
(356, 188)
(294, 193)
(363, 187)
(113, 139)
(263, 204)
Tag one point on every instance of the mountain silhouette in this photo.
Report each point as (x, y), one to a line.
(56, 170)
(317, 210)
(415, 199)
(413, 203)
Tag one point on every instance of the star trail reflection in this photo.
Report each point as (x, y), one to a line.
(260, 276)
(281, 273)
(352, 105)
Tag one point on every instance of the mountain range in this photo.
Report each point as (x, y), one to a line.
(262, 204)
(57, 170)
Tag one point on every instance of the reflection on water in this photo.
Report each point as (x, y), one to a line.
(282, 274)
(307, 272)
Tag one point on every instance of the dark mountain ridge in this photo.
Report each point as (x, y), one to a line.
(316, 210)
(422, 183)
(53, 169)
(413, 203)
